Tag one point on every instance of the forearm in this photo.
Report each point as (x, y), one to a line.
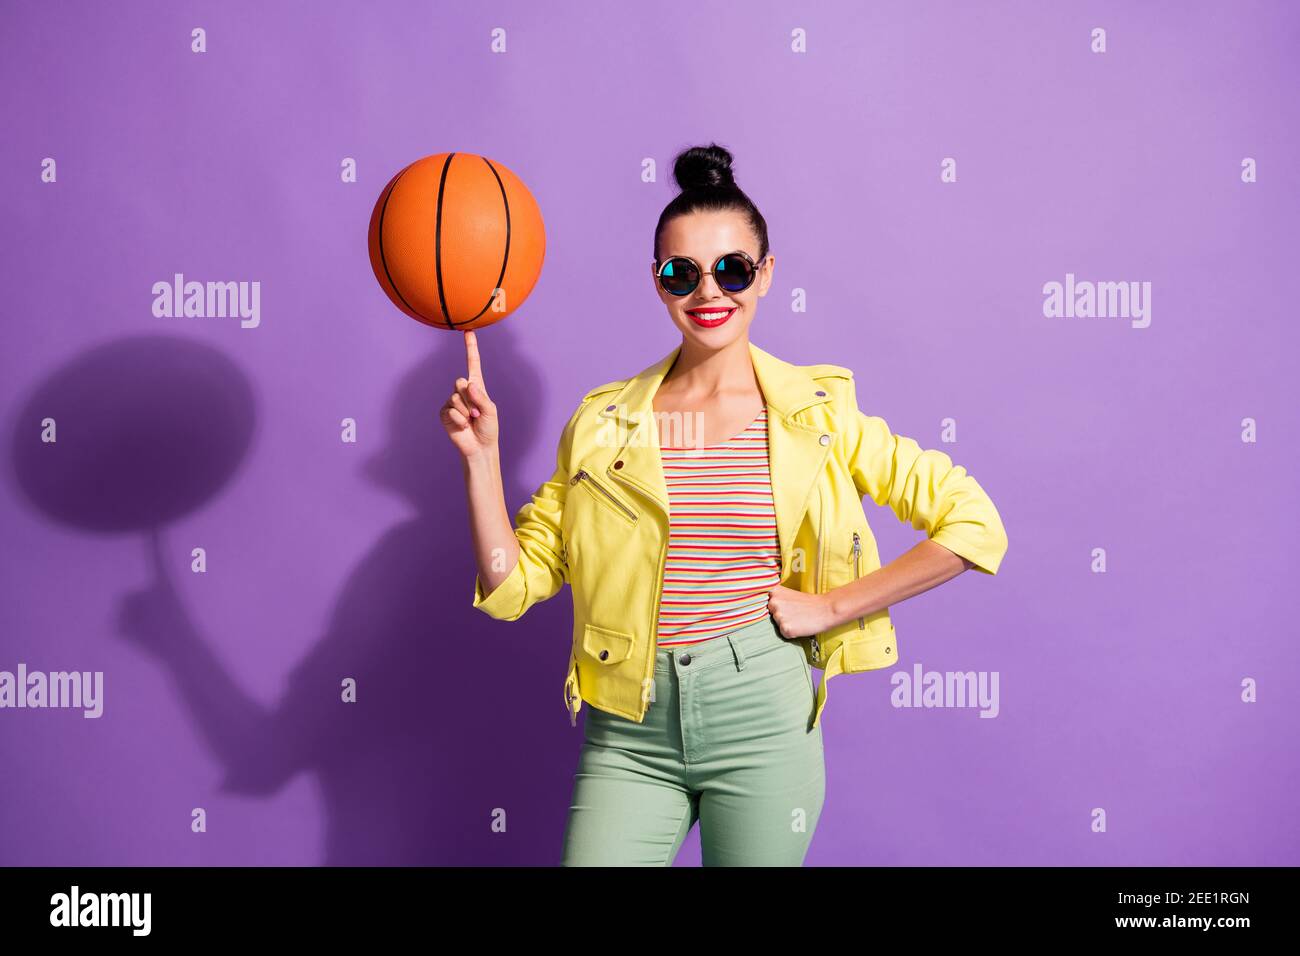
(496, 549)
(918, 569)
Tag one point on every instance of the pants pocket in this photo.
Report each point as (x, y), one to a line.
(789, 667)
(810, 686)
(798, 652)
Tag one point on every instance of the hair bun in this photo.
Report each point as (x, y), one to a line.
(704, 167)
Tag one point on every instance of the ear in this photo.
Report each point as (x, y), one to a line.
(765, 274)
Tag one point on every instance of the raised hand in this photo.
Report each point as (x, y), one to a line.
(470, 416)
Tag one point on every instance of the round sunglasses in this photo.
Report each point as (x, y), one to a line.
(733, 271)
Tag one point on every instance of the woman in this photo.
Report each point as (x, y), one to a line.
(716, 550)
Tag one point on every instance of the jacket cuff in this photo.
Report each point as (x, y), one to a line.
(986, 554)
(506, 602)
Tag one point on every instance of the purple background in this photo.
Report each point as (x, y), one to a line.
(1118, 690)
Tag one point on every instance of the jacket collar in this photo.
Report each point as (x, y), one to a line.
(797, 452)
(787, 388)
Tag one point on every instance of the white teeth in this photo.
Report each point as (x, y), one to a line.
(712, 315)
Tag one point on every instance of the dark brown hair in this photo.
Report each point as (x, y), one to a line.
(704, 176)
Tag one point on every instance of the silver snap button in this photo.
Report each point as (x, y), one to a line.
(685, 659)
(825, 439)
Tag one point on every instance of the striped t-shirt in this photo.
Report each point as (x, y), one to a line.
(723, 552)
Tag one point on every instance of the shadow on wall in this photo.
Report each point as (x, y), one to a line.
(453, 713)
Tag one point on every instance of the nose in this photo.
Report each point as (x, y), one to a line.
(717, 289)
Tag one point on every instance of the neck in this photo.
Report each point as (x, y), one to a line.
(702, 373)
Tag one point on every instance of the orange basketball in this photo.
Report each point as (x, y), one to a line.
(457, 241)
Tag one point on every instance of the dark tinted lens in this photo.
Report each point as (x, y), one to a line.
(679, 276)
(734, 273)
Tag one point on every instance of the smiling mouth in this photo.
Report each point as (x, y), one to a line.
(710, 318)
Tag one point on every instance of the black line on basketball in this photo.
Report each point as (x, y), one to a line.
(383, 260)
(505, 257)
(437, 243)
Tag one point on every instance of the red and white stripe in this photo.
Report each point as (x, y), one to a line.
(723, 552)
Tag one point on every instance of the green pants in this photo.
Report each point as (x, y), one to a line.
(728, 741)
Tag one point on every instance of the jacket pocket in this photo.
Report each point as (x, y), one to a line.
(606, 646)
(877, 648)
(600, 492)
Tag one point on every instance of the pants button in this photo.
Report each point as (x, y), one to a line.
(685, 659)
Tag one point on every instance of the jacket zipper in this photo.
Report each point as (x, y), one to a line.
(654, 629)
(631, 515)
(570, 696)
(857, 554)
(649, 674)
(822, 546)
(582, 473)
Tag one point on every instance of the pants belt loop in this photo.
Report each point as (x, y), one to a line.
(735, 649)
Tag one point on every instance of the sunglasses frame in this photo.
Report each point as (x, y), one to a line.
(753, 272)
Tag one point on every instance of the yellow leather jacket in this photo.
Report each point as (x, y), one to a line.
(601, 523)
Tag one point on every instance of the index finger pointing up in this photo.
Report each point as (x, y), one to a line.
(472, 361)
